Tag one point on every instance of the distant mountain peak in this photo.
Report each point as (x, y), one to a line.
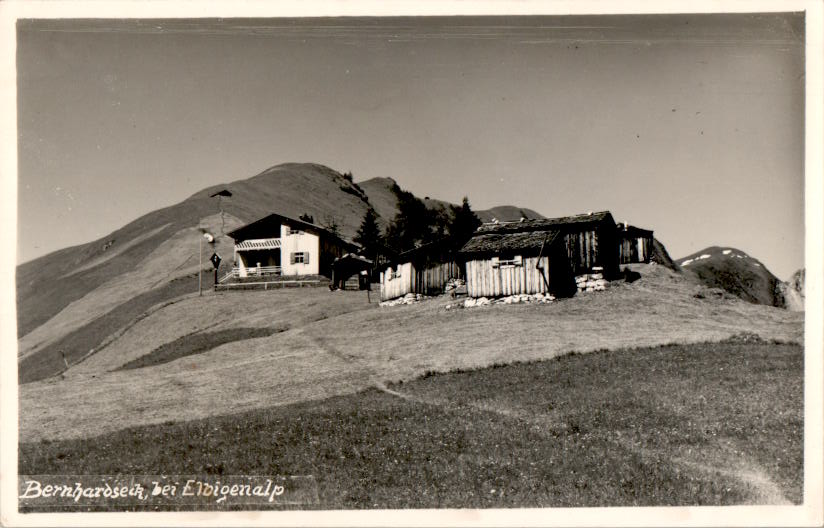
(717, 252)
(736, 272)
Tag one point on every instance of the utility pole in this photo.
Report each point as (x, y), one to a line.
(209, 238)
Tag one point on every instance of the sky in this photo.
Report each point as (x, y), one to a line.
(690, 125)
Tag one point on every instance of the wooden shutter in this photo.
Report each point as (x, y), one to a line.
(292, 258)
(306, 257)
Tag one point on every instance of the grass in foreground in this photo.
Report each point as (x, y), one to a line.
(710, 424)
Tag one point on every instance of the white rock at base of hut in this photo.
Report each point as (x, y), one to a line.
(469, 303)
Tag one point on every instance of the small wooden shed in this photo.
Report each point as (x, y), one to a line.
(590, 240)
(351, 271)
(517, 262)
(425, 270)
(635, 244)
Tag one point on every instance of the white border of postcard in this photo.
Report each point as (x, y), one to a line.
(808, 514)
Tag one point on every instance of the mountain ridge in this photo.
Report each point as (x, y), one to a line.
(740, 274)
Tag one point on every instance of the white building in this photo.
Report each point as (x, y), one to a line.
(278, 245)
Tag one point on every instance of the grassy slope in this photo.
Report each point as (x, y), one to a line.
(167, 272)
(71, 288)
(336, 343)
(679, 425)
(114, 285)
(745, 277)
(292, 188)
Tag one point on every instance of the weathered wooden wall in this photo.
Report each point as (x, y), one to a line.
(634, 250)
(590, 248)
(428, 281)
(432, 279)
(393, 287)
(484, 280)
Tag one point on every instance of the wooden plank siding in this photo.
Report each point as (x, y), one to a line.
(484, 280)
(432, 279)
(590, 248)
(396, 282)
(634, 250)
(428, 280)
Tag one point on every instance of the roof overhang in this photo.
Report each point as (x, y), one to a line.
(257, 244)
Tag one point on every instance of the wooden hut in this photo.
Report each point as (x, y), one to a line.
(635, 244)
(509, 262)
(425, 270)
(591, 239)
(351, 272)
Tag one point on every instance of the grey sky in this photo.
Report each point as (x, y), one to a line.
(691, 125)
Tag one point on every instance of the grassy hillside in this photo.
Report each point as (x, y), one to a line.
(332, 343)
(381, 198)
(44, 286)
(707, 424)
(71, 300)
(736, 272)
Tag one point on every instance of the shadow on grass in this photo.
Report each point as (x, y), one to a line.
(198, 343)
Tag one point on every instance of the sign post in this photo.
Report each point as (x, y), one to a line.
(215, 258)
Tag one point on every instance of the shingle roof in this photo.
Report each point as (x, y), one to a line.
(242, 232)
(632, 231)
(528, 242)
(545, 223)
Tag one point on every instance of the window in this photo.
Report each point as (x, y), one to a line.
(507, 263)
(301, 257)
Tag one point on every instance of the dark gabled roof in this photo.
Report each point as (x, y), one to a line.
(351, 263)
(567, 222)
(442, 245)
(632, 231)
(352, 257)
(525, 242)
(240, 232)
